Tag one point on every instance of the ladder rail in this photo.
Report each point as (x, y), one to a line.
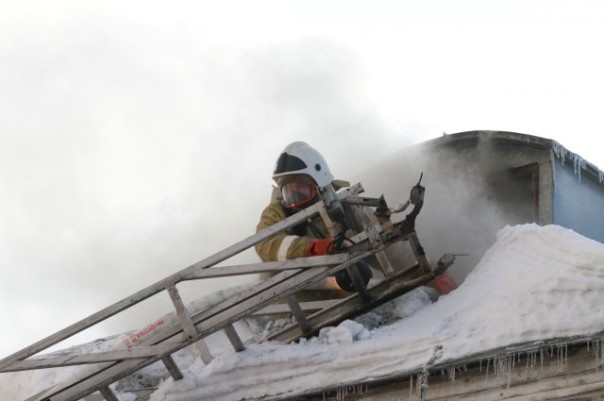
(207, 323)
(141, 350)
(156, 288)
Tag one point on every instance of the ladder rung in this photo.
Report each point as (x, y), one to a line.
(172, 367)
(187, 324)
(108, 394)
(305, 306)
(294, 306)
(234, 338)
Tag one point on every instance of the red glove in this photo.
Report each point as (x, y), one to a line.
(319, 247)
(443, 283)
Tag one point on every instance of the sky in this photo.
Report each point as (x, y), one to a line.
(534, 284)
(137, 138)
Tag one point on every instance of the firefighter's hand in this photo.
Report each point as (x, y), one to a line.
(324, 247)
(443, 283)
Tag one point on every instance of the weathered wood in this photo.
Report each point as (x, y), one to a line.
(355, 305)
(265, 267)
(172, 367)
(419, 253)
(187, 324)
(327, 221)
(305, 306)
(284, 284)
(234, 338)
(157, 287)
(295, 309)
(108, 394)
(373, 230)
(139, 352)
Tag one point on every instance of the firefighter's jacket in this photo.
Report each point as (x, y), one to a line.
(289, 244)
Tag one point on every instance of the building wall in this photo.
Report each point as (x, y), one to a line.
(578, 201)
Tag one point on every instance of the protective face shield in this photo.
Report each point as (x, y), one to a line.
(297, 195)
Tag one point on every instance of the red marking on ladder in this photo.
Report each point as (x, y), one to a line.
(134, 339)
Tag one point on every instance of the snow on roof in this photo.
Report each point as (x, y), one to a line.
(535, 283)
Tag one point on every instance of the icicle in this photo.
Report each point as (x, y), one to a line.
(579, 164)
(410, 386)
(452, 373)
(422, 378)
(560, 151)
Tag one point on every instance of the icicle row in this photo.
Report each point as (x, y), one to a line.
(579, 163)
(342, 392)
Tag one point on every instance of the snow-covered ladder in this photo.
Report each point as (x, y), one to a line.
(104, 368)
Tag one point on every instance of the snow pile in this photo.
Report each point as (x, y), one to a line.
(535, 283)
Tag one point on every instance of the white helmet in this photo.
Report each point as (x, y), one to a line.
(301, 158)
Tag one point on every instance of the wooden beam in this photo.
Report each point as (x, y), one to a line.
(108, 394)
(295, 309)
(138, 352)
(264, 267)
(306, 307)
(172, 367)
(188, 326)
(234, 338)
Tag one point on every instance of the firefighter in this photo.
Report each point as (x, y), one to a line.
(301, 173)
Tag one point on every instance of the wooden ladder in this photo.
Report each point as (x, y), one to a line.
(189, 327)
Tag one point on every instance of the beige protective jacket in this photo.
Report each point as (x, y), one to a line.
(290, 244)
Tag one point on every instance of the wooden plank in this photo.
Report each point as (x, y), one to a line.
(181, 311)
(172, 367)
(305, 306)
(298, 314)
(139, 352)
(233, 337)
(373, 230)
(419, 253)
(108, 394)
(187, 324)
(265, 267)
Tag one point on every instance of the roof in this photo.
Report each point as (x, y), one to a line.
(515, 138)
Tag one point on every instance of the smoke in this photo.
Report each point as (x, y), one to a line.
(129, 154)
(461, 213)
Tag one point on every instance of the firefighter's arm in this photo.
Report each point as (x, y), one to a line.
(281, 246)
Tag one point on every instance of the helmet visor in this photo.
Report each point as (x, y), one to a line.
(297, 194)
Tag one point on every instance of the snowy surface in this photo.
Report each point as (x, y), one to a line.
(534, 283)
